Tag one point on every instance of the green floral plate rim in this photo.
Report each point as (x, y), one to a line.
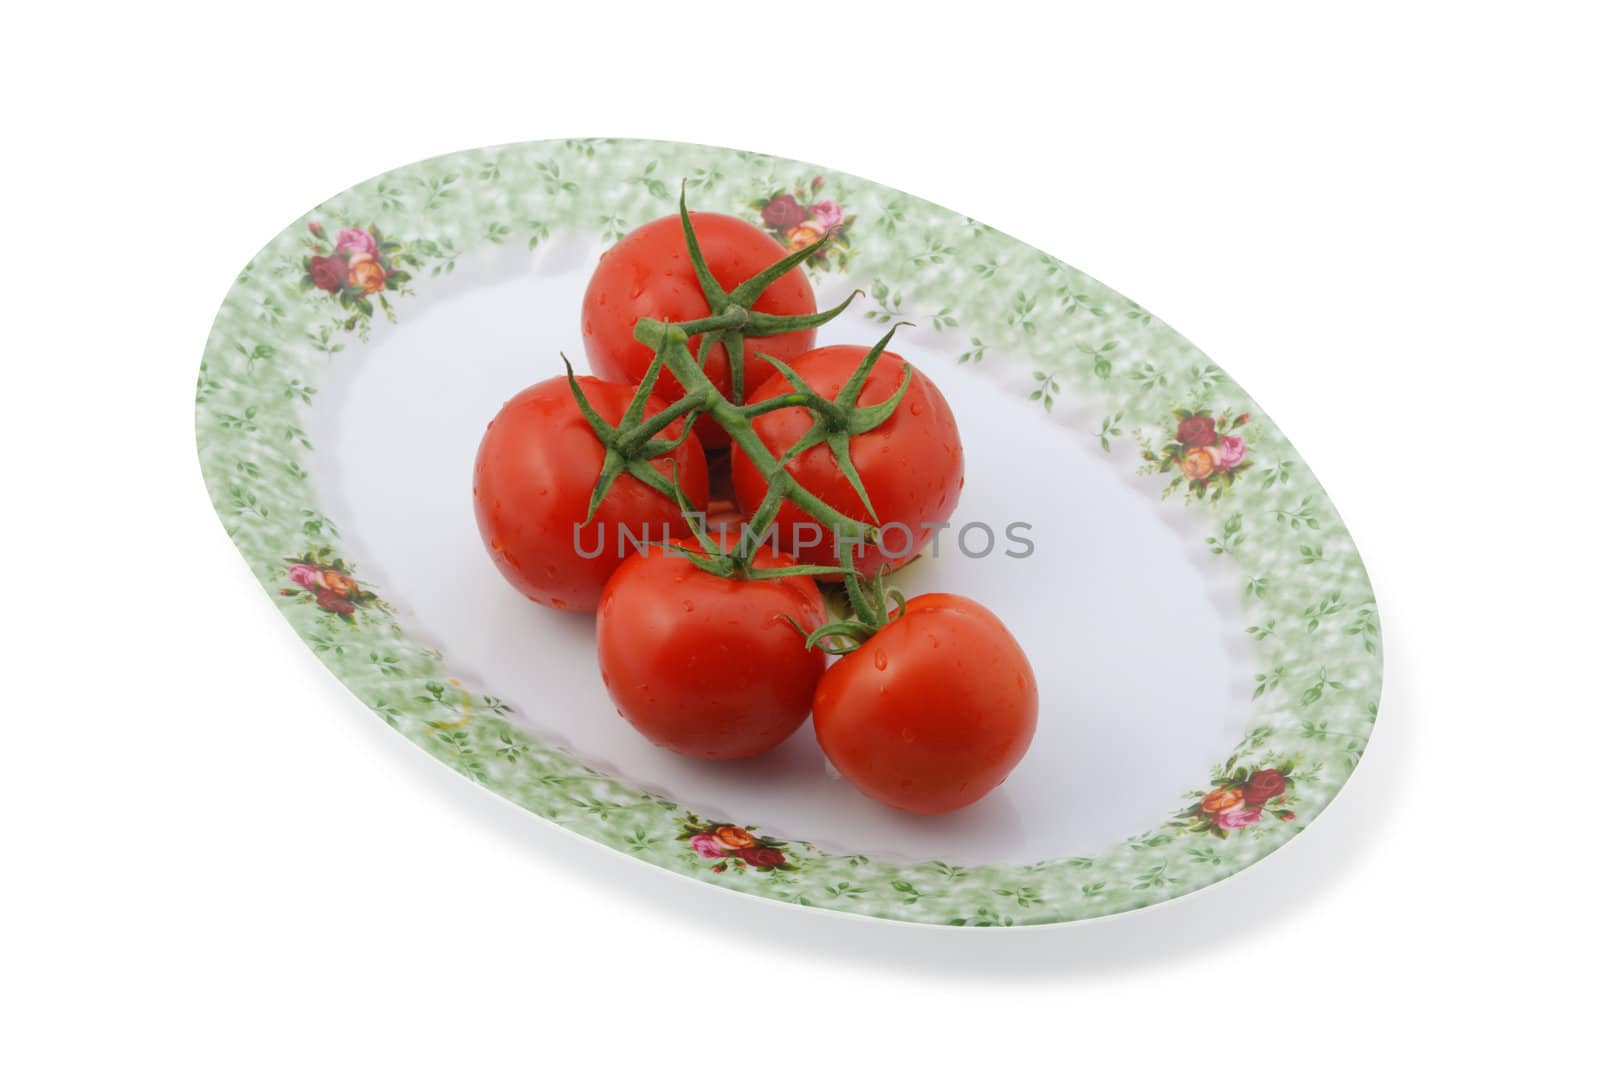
(316, 290)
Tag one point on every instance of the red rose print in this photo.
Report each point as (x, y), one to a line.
(1197, 431)
(328, 273)
(333, 602)
(1263, 786)
(783, 212)
(765, 858)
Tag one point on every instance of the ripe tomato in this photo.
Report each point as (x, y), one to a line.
(911, 464)
(535, 472)
(707, 666)
(648, 273)
(932, 712)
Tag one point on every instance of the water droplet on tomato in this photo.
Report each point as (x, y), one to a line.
(881, 660)
(933, 641)
(688, 607)
(550, 571)
(908, 736)
(916, 409)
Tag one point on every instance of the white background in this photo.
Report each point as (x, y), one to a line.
(1382, 222)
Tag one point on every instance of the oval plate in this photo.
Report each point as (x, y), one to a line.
(1204, 632)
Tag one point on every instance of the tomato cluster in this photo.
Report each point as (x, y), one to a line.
(591, 496)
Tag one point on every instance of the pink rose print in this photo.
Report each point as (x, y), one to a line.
(827, 214)
(1206, 454)
(801, 216)
(1239, 799)
(706, 846)
(353, 241)
(363, 272)
(306, 576)
(1239, 819)
(733, 847)
(325, 581)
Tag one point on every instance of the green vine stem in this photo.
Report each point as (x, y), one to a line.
(671, 344)
(873, 605)
(633, 443)
(732, 318)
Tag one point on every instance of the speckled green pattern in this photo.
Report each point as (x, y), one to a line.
(1088, 357)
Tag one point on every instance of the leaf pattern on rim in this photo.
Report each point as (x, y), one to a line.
(1306, 599)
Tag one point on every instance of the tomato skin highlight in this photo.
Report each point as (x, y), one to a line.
(535, 471)
(706, 666)
(648, 273)
(911, 465)
(934, 711)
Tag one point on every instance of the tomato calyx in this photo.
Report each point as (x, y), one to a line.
(873, 604)
(626, 449)
(836, 422)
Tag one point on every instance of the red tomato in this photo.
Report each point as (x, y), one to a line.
(932, 712)
(707, 666)
(536, 470)
(910, 465)
(648, 273)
